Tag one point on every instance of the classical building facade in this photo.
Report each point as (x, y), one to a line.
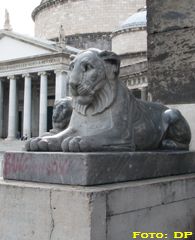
(86, 23)
(33, 73)
(34, 70)
(129, 41)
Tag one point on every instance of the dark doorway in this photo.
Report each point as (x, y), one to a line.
(137, 93)
(49, 117)
(19, 132)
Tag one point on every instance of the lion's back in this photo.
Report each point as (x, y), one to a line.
(148, 124)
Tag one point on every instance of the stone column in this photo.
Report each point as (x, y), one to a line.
(61, 86)
(12, 114)
(1, 108)
(27, 106)
(43, 104)
(144, 94)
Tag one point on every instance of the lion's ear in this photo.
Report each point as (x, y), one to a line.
(72, 57)
(111, 58)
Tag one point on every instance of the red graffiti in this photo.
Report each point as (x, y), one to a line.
(19, 164)
(57, 167)
(14, 163)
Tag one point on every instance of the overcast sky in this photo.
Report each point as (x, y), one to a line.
(20, 14)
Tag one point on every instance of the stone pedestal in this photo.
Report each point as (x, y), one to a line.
(107, 212)
(95, 168)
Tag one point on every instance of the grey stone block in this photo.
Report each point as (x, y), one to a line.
(171, 41)
(163, 218)
(34, 211)
(95, 168)
(171, 65)
(49, 212)
(170, 15)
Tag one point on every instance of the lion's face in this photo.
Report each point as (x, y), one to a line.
(62, 112)
(87, 76)
(93, 77)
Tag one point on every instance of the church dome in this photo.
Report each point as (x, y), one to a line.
(77, 19)
(131, 36)
(44, 1)
(136, 20)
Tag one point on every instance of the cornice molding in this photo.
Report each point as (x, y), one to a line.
(31, 65)
(127, 30)
(46, 5)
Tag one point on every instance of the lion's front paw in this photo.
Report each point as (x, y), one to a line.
(33, 144)
(78, 144)
(43, 144)
(71, 144)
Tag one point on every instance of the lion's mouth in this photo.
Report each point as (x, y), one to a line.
(81, 91)
(85, 91)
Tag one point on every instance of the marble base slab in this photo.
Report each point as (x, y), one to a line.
(88, 169)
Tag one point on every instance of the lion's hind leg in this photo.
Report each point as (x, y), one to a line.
(178, 134)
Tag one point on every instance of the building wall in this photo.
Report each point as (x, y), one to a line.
(171, 48)
(130, 41)
(90, 40)
(83, 16)
(130, 60)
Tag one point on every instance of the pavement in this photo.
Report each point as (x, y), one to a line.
(11, 145)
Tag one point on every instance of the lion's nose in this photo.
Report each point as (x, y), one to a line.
(73, 85)
(73, 88)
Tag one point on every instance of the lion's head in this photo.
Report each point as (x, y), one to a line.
(93, 77)
(62, 112)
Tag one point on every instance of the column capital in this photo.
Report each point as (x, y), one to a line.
(11, 77)
(42, 73)
(56, 71)
(26, 75)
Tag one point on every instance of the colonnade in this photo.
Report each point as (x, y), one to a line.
(61, 83)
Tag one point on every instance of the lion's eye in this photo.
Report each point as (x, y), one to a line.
(87, 67)
(71, 67)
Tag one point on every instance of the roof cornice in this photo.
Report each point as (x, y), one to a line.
(128, 29)
(45, 5)
(27, 39)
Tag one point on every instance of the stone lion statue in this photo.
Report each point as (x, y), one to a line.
(62, 111)
(107, 117)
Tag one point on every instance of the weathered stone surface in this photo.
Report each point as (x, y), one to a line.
(81, 17)
(188, 112)
(157, 219)
(88, 40)
(171, 66)
(170, 15)
(171, 47)
(107, 212)
(95, 168)
(37, 211)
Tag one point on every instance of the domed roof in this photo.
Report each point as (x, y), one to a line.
(44, 1)
(136, 20)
